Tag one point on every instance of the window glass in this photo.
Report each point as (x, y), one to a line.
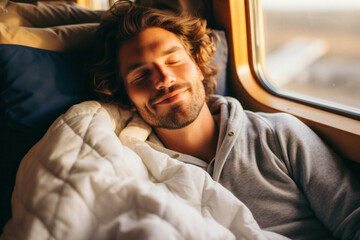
(312, 48)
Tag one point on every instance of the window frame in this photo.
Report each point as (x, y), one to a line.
(258, 54)
(341, 132)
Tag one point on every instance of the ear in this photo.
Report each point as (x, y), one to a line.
(201, 75)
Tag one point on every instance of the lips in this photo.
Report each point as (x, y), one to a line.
(170, 97)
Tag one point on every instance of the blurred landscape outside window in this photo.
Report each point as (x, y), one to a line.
(312, 48)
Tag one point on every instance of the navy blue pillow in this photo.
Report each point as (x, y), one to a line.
(36, 86)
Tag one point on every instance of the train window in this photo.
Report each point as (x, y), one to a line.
(308, 50)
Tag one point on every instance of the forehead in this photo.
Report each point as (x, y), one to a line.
(146, 45)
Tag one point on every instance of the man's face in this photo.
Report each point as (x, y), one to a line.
(161, 79)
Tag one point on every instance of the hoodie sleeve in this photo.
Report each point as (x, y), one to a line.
(331, 189)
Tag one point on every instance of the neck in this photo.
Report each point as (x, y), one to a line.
(198, 139)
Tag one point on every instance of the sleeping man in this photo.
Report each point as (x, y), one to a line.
(158, 64)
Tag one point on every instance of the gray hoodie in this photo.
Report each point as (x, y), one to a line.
(284, 173)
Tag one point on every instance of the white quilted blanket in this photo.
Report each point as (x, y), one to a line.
(80, 181)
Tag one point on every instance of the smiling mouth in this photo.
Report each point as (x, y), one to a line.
(171, 97)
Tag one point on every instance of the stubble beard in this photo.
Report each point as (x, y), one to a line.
(178, 115)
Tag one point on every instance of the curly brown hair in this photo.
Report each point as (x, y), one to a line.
(123, 21)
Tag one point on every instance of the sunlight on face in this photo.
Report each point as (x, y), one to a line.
(161, 79)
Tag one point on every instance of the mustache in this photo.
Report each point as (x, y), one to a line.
(160, 93)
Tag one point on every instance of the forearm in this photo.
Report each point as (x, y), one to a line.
(331, 189)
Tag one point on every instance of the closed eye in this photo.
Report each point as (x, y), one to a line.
(139, 76)
(173, 62)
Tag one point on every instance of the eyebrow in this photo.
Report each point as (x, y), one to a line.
(140, 64)
(171, 50)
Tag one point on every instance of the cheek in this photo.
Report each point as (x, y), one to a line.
(189, 69)
(139, 95)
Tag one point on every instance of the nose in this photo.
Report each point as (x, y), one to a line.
(164, 77)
